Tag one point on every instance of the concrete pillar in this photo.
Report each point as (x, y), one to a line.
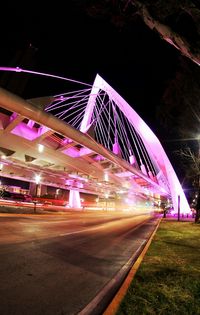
(43, 190)
(32, 189)
(38, 190)
(35, 189)
(74, 199)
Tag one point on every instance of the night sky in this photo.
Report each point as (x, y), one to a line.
(68, 42)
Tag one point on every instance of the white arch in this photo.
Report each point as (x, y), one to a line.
(167, 177)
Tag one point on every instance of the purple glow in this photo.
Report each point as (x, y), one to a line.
(42, 130)
(167, 178)
(132, 159)
(99, 158)
(85, 151)
(143, 169)
(24, 131)
(116, 148)
(30, 123)
(17, 69)
(71, 152)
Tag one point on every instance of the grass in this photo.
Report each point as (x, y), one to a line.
(168, 280)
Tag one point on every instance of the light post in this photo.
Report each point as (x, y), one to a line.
(106, 197)
(37, 181)
(178, 207)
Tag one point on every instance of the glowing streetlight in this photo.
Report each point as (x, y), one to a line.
(106, 178)
(37, 181)
(40, 148)
(106, 197)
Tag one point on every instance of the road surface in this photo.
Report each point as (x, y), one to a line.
(55, 264)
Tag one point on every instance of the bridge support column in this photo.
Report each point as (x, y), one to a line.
(74, 199)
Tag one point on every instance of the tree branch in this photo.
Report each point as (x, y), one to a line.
(165, 31)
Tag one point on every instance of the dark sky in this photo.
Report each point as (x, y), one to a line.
(68, 42)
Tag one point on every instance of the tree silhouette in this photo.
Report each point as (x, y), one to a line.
(177, 22)
(190, 160)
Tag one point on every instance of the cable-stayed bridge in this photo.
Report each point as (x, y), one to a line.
(87, 139)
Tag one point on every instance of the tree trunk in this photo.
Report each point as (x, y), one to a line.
(197, 217)
(166, 32)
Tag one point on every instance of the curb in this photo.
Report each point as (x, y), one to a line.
(101, 303)
(114, 305)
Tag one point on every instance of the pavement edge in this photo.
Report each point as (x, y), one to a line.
(114, 304)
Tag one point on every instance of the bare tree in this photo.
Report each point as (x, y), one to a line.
(191, 163)
(177, 22)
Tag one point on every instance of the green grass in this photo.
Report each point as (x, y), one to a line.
(168, 280)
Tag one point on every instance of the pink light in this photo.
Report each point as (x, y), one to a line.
(24, 131)
(116, 148)
(132, 159)
(84, 151)
(168, 180)
(99, 158)
(17, 69)
(71, 152)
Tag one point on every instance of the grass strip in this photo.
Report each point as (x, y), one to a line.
(168, 280)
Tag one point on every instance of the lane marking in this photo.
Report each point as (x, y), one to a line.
(47, 222)
(101, 227)
(75, 232)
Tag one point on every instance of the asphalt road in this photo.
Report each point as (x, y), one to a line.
(56, 264)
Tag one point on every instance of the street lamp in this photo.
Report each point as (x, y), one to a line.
(106, 196)
(40, 148)
(37, 181)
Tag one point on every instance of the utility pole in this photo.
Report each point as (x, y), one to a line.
(178, 207)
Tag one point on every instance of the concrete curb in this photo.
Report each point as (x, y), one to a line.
(118, 286)
(114, 305)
